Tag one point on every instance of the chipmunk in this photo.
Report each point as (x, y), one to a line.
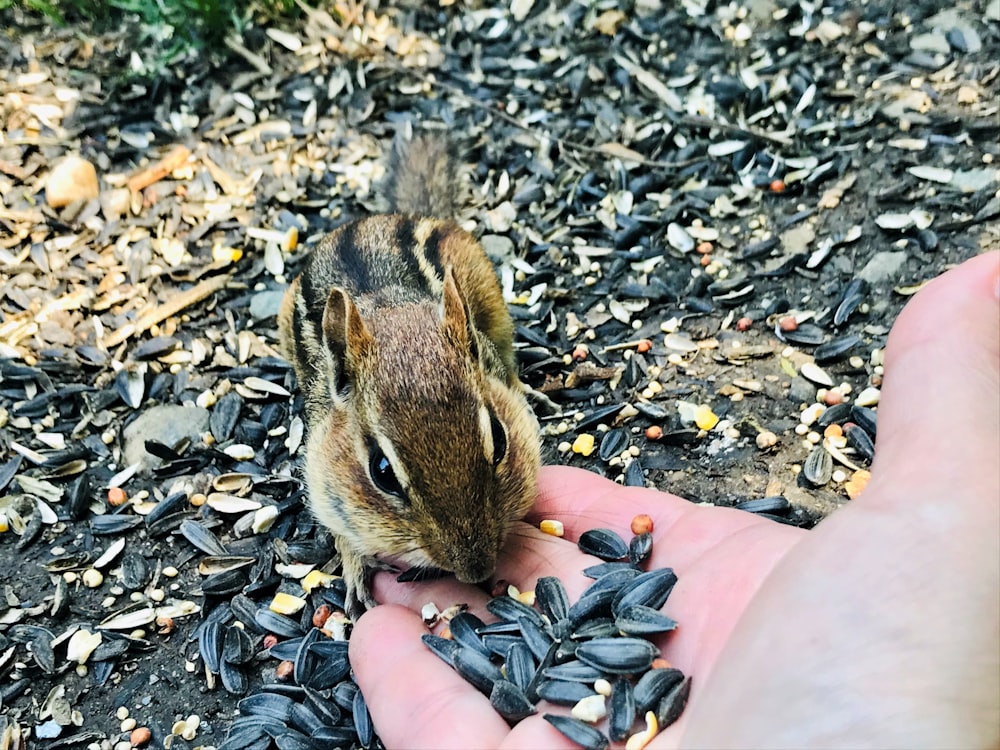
(422, 450)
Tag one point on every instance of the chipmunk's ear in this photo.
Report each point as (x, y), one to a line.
(456, 316)
(346, 338)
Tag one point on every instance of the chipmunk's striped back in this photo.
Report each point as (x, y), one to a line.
(421, 445)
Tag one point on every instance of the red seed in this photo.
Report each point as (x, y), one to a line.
(788, 323)
(654, 432)
(321, 615)
(139, 736)
(743, 324)
(117, 496)
(704, 248)
(833, 397)
(660, 663)
(285, 670)
(642, 523)
(270, 640)
(644, 346)
(777, 186)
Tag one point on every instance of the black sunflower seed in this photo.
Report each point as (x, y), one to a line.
(233, 679)
(535, 637)
(510, 702)
(362, 720)
(618, 655)
(463, 628)
(280, 625)
(621, 709)
(653, 685)
(238, 648)
(672, 704)
(443, 647)
(478, 671)
(574, 671)
(818, 467)
(268, 705)
(576, 731)
(510, 609)
(613, 443)
(858, 439)
(776, 504)
(564, 692)
(639, 620)
(640, 547)
(866, 419)
(519, 665)
(603, 543)
(551, 598)
(210, 645)
(834, 351)
(834, 415)
(648, 589)
(499, 645)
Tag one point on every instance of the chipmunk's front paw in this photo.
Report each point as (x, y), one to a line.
(358, 576)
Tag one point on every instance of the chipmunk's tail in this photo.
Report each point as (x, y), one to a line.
(421, 177)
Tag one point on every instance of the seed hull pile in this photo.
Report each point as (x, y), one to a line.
(705, 219)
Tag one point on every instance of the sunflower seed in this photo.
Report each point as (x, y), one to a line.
(463, 628)
(210, 645)
(443, 647)
(511, 610)
(201, 538)
(672, 704)
(618, 655)
(640, 548)
(519, 665)
(510, 702)
(238, 648)
(280, 625)
(362, 720)
(621, 709)
(576, 731)
(866, 419)
(648, 589)
(818, 468)
(564, 692)
(479, 671)
(636, 619)
(574, 671)
(268, 705)
(603, 543)
(551, 598)
(653, 685)
(858, 439)
(233, 680)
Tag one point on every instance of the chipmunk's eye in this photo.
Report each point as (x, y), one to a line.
(499, 439)
(382, 474)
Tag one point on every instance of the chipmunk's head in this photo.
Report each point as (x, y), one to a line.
(429, 454)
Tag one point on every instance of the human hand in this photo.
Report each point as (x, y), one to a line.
(877, 628)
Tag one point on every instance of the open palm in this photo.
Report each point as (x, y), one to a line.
(878, 628)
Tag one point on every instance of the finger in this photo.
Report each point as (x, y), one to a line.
(415, 699)
(941, 380)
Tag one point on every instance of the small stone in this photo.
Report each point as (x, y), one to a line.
(73, 178)
(47, 731)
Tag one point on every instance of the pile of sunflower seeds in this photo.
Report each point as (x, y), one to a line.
(592, 655)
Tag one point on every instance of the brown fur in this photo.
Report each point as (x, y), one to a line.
(402, 344)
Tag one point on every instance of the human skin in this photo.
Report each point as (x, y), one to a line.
(879, 628)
